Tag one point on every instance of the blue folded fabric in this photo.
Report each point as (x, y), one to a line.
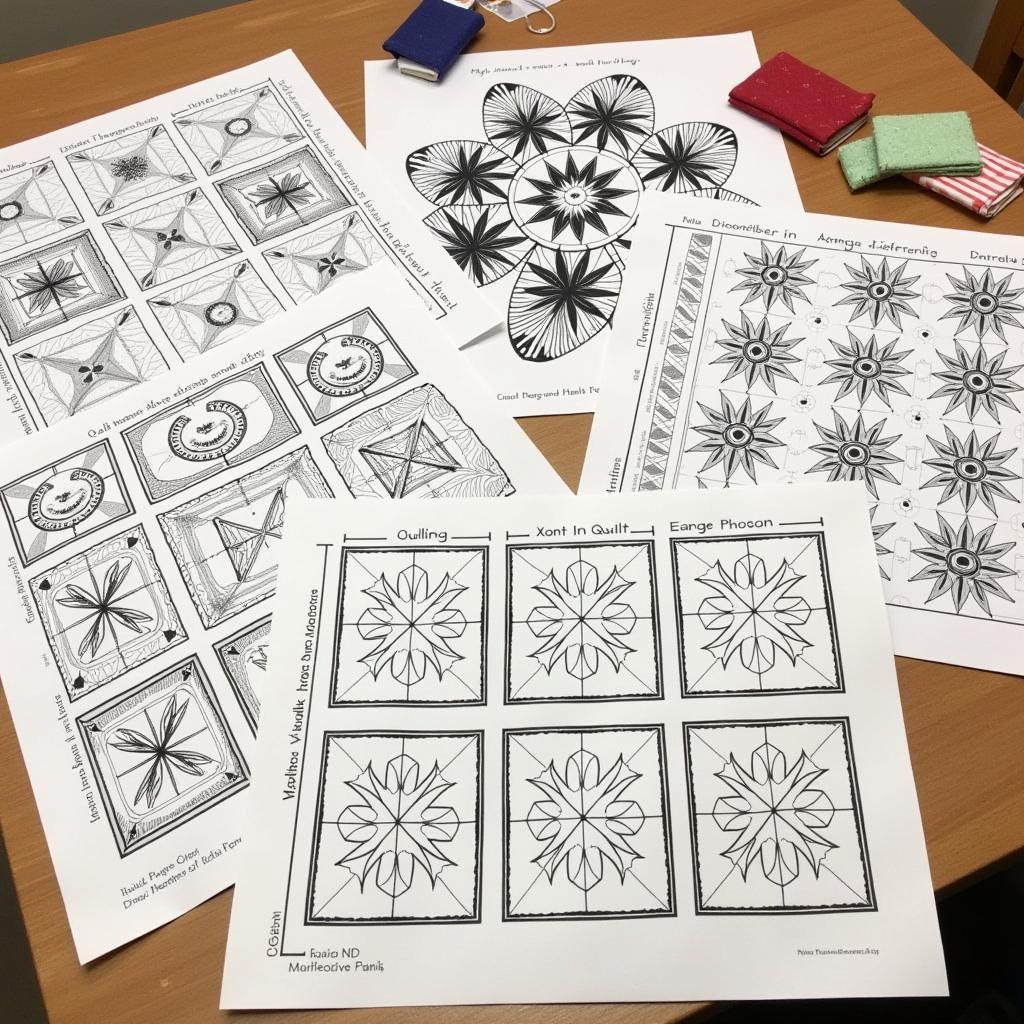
(435, 34)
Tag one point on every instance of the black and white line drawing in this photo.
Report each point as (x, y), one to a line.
(161, 754)
(977, 382)
(758, 352)
(225, 541)
(775, 818)
(248, 126)
(554, 192)
(65, 501)
(880, 292)
(106, 611)
(243, 656)
(398, 829)
(133, 167)
(312, 261)
(290, 192)
(775, 275)
(755, 615)
(856, 451)
(969, 469)
(415, 444)
(587, 831)
(583, 622)
(172, 237)
(50, 286)
(34, 204)
(215, 308)
(411, 627)
(70, 372)
(982, 303)
(868, 369)
(737, 436)
(343, 364)
(226, 425)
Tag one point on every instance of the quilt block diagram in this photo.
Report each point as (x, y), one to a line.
(34, 204)
(243, 656)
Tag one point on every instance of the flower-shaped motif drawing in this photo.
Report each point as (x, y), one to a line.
(554, 191)
(984, 303)
(585, 820)
(977, 382)
(398, 827)
(737, 437)
(971, 469)
(754, 613)
(758, 352)
(412, 625)
(50, 284)
(879, 292)
(855, 451)
(963, 564)
(775, 276)
(865, 368)
(583, 620)
(776, 814)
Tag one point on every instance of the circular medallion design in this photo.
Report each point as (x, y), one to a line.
(575, 198)
(221, 314)
(963, 562)
(212, 433)
(737, 435)
(867, 367)
(344, 365)
(756, 351)
(238, 126)
(983, 302)
(977, 381)
(880, 291)
(854, 454)
(10, 210)
(65, 500)
(970, 469)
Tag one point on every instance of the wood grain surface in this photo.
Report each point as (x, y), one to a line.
(964, 727)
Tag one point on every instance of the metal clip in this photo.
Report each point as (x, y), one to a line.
(538, 6)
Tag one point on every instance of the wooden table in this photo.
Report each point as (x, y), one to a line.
(965, 727)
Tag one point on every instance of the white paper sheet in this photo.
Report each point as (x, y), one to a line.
(135, 241)
(766, 346)
(605, 122)
(493, 767)
(140, 543)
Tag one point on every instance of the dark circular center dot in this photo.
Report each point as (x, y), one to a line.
(970, 469)
(866, 367)
(773, 275)
(238, 126)
(756, 351)
(738, 435)
(983, 302)
(976, 381)
(963, 562)
(11, 210)
(880, 291)
(221, 314)
(853, 453)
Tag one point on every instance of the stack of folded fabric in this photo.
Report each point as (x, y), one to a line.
(1000, 182)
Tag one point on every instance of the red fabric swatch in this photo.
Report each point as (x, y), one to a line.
(801, 101)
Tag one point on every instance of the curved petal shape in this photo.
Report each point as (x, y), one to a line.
(686, 157)
(614, 113)
(460, 171)
(722, 193)
(522, 122)
(561, 300)
(483, 240)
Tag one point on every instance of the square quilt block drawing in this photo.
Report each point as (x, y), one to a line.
(71, 372)
(755, 615)
(587, 830)
(49, 286)
(583, 622)
(397, 834)
(243, 656)
(253, 124)
(309, 263)
(290, 192)
(65, 501)
(226, 425)
(775, 818)
(173, 237)
(126, 170)
(416, 444)
(226, 541)
(411, 627)
(106, 611)
(34, 204)
(161, 755)
(343, 364)
(211, 310)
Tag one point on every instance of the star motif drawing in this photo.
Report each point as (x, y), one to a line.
(971, 469)
(409, 459)
(879, 292)
(554, 192)
(867, 369)
(978, 382)
(855, 451)
(983, 304)
(758, 352)
(34, 203)
(775, 276)
(737, 437)
(243, 544)
(275, 197)
(51, 284)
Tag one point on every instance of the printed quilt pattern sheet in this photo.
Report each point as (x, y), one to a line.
(754, 346)
(642, 730)
(141, 545)
(529, 172)
(141, 239)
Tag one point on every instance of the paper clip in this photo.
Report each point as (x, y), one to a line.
(538, 6)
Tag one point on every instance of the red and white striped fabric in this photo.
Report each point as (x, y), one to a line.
(999, 183)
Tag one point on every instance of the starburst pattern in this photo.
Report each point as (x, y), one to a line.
(964, 564)
(778, 817)
(484, 247)
(688, 157)
(49, 285)
(583, 620)
(977, 382)
(737, 437)
(879, 292)
(775, 276)
(585, 820)
(855, 451)
(866, 369)
(287, 194)
(970, 469)
(758, 352)
(984, 304)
